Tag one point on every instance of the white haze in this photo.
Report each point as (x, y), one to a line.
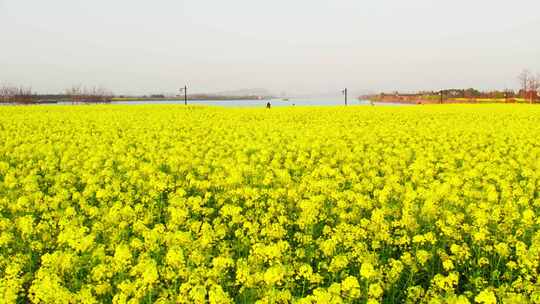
(292, 46)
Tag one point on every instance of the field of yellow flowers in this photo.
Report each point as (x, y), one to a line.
(174, 204)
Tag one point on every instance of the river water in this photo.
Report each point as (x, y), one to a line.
(258, 103)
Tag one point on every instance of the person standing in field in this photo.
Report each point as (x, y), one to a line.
(268, 105)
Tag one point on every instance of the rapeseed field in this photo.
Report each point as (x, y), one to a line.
(174, 204)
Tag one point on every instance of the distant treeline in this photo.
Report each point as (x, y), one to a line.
(10, 94)
(452, 96)
(528, 92)
(16, 94)
(457, 95)
(77, 94)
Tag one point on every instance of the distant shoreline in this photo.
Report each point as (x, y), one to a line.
(193, 98)
(453, 101)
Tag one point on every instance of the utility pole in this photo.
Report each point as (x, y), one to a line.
(184, 89)
(345, 93)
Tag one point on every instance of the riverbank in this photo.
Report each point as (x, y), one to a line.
(420, 101)
(193, 98)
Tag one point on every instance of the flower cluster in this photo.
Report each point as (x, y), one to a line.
(168, 204)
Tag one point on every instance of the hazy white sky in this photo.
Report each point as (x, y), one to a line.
(136, 46)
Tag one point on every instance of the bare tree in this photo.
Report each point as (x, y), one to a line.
(533, 85)
(74, 93)
(523, 78)
(16, 94)
(79, 94)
